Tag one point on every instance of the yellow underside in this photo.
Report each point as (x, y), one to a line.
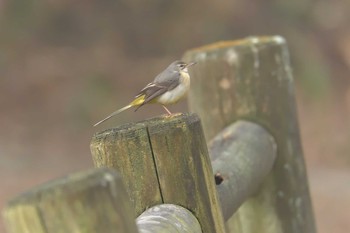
(138, 101)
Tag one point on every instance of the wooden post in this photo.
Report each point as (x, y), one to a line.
(242, 156)
(181, 163)
(89, 202)
(128, 150)
(252, 79)
(168, 218)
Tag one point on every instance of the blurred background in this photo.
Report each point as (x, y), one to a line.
(66, 64)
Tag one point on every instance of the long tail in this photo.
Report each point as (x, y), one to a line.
(114, 113)
(136, 102)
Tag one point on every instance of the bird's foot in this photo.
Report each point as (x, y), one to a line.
(167, 110)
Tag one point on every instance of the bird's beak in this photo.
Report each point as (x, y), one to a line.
(191, 64)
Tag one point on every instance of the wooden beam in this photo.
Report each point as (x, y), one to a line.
(91, 202)
(242, 156)
(168, 218)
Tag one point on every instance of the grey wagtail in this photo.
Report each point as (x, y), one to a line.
(167, 88)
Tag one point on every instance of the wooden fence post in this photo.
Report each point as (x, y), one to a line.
(181, 163)
(251, 79)
(88, 202)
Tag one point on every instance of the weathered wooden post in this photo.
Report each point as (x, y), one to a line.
(88, 202)
(251, 79)
(128, 150)
(168, 158)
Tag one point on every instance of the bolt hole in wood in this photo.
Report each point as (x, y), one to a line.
(218, 178)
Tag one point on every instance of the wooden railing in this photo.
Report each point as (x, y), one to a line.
(251, 177)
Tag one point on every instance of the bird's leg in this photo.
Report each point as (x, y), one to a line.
(167, 110)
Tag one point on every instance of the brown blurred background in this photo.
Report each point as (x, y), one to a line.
(66, 64)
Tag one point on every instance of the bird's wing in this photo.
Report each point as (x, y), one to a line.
(159, 86)
(169, 78)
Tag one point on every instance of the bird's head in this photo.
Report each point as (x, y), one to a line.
(181, 66)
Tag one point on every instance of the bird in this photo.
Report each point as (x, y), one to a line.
(168, 87)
